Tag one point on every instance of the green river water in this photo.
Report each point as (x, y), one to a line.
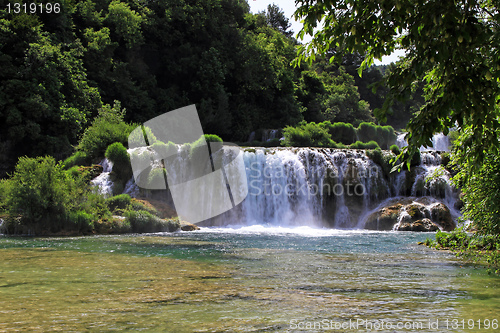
(252, 279)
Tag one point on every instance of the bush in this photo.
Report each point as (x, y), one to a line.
(117, 154)
(383, 135)
(165, 149)
(81, 221)
(138, 205)
(107, 127)
(378, 157)
(307, 135)
(5, 186)
(137, 137)
(143, 221)
(395, 150)
(362, 145)
(367, 132)
(341, 132)
(77, 159)
(120, 201)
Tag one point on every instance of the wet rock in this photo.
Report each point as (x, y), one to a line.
(408, 215)
(441, 215)
(423, 225)
(186, 226)
(384, 219)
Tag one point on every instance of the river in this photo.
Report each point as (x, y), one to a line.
(250, 279)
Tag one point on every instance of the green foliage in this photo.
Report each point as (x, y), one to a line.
(165, 149)
(117, 154)
(307, 135)
(395, 150)
(120, 201)
(440, 47)
(341, 132)
(367, 132)
(484, 249)
(383, 135)
(106, 129)
(364, 145)
(383, 160)
(143, 221)
(77, 159)
(137, 205)
(138, 135)
(81, 221)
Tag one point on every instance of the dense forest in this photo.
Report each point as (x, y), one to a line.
(60, 68)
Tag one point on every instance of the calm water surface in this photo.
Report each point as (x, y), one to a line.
(252, 279)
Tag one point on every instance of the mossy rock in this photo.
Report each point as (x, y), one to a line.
(186, 226)
(423, 225)
(441, 215)
(384, 219)
(416, 211)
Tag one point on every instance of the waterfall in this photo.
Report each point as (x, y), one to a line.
(319, 187)
(103, 181)
(440, 142)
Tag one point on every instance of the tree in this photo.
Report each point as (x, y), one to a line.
(276, 18)
(451, 47)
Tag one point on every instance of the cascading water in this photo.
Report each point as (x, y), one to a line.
(103, 181)
(440, 142)
(311, 186)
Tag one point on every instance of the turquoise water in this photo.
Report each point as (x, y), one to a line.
(252, 279)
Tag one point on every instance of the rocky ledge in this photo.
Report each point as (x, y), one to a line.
(411, 215)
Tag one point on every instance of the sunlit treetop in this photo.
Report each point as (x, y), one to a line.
(451, 46)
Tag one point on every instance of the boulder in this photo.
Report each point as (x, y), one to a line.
(409, 215)
(384, 219)
(423, 225)
(186, 226)
(441, 215)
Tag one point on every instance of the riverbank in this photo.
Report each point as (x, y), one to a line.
(484, 250)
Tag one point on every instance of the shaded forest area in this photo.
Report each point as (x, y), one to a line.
(60, 69)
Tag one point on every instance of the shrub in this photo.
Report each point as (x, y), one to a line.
(200, 144)
(138, 205)
(5, 186)
(395, 150)
(363, 145)
(341, 132)
(107, 127)
(78, 158)
(81, 221)
(383, 135)
(137, 137)
(117, 154)
(143, 221)
(165, 149)
(378, 157)
(307, 135)
(367, 132)
(120, 201)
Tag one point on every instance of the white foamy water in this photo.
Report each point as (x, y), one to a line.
(103, 181)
